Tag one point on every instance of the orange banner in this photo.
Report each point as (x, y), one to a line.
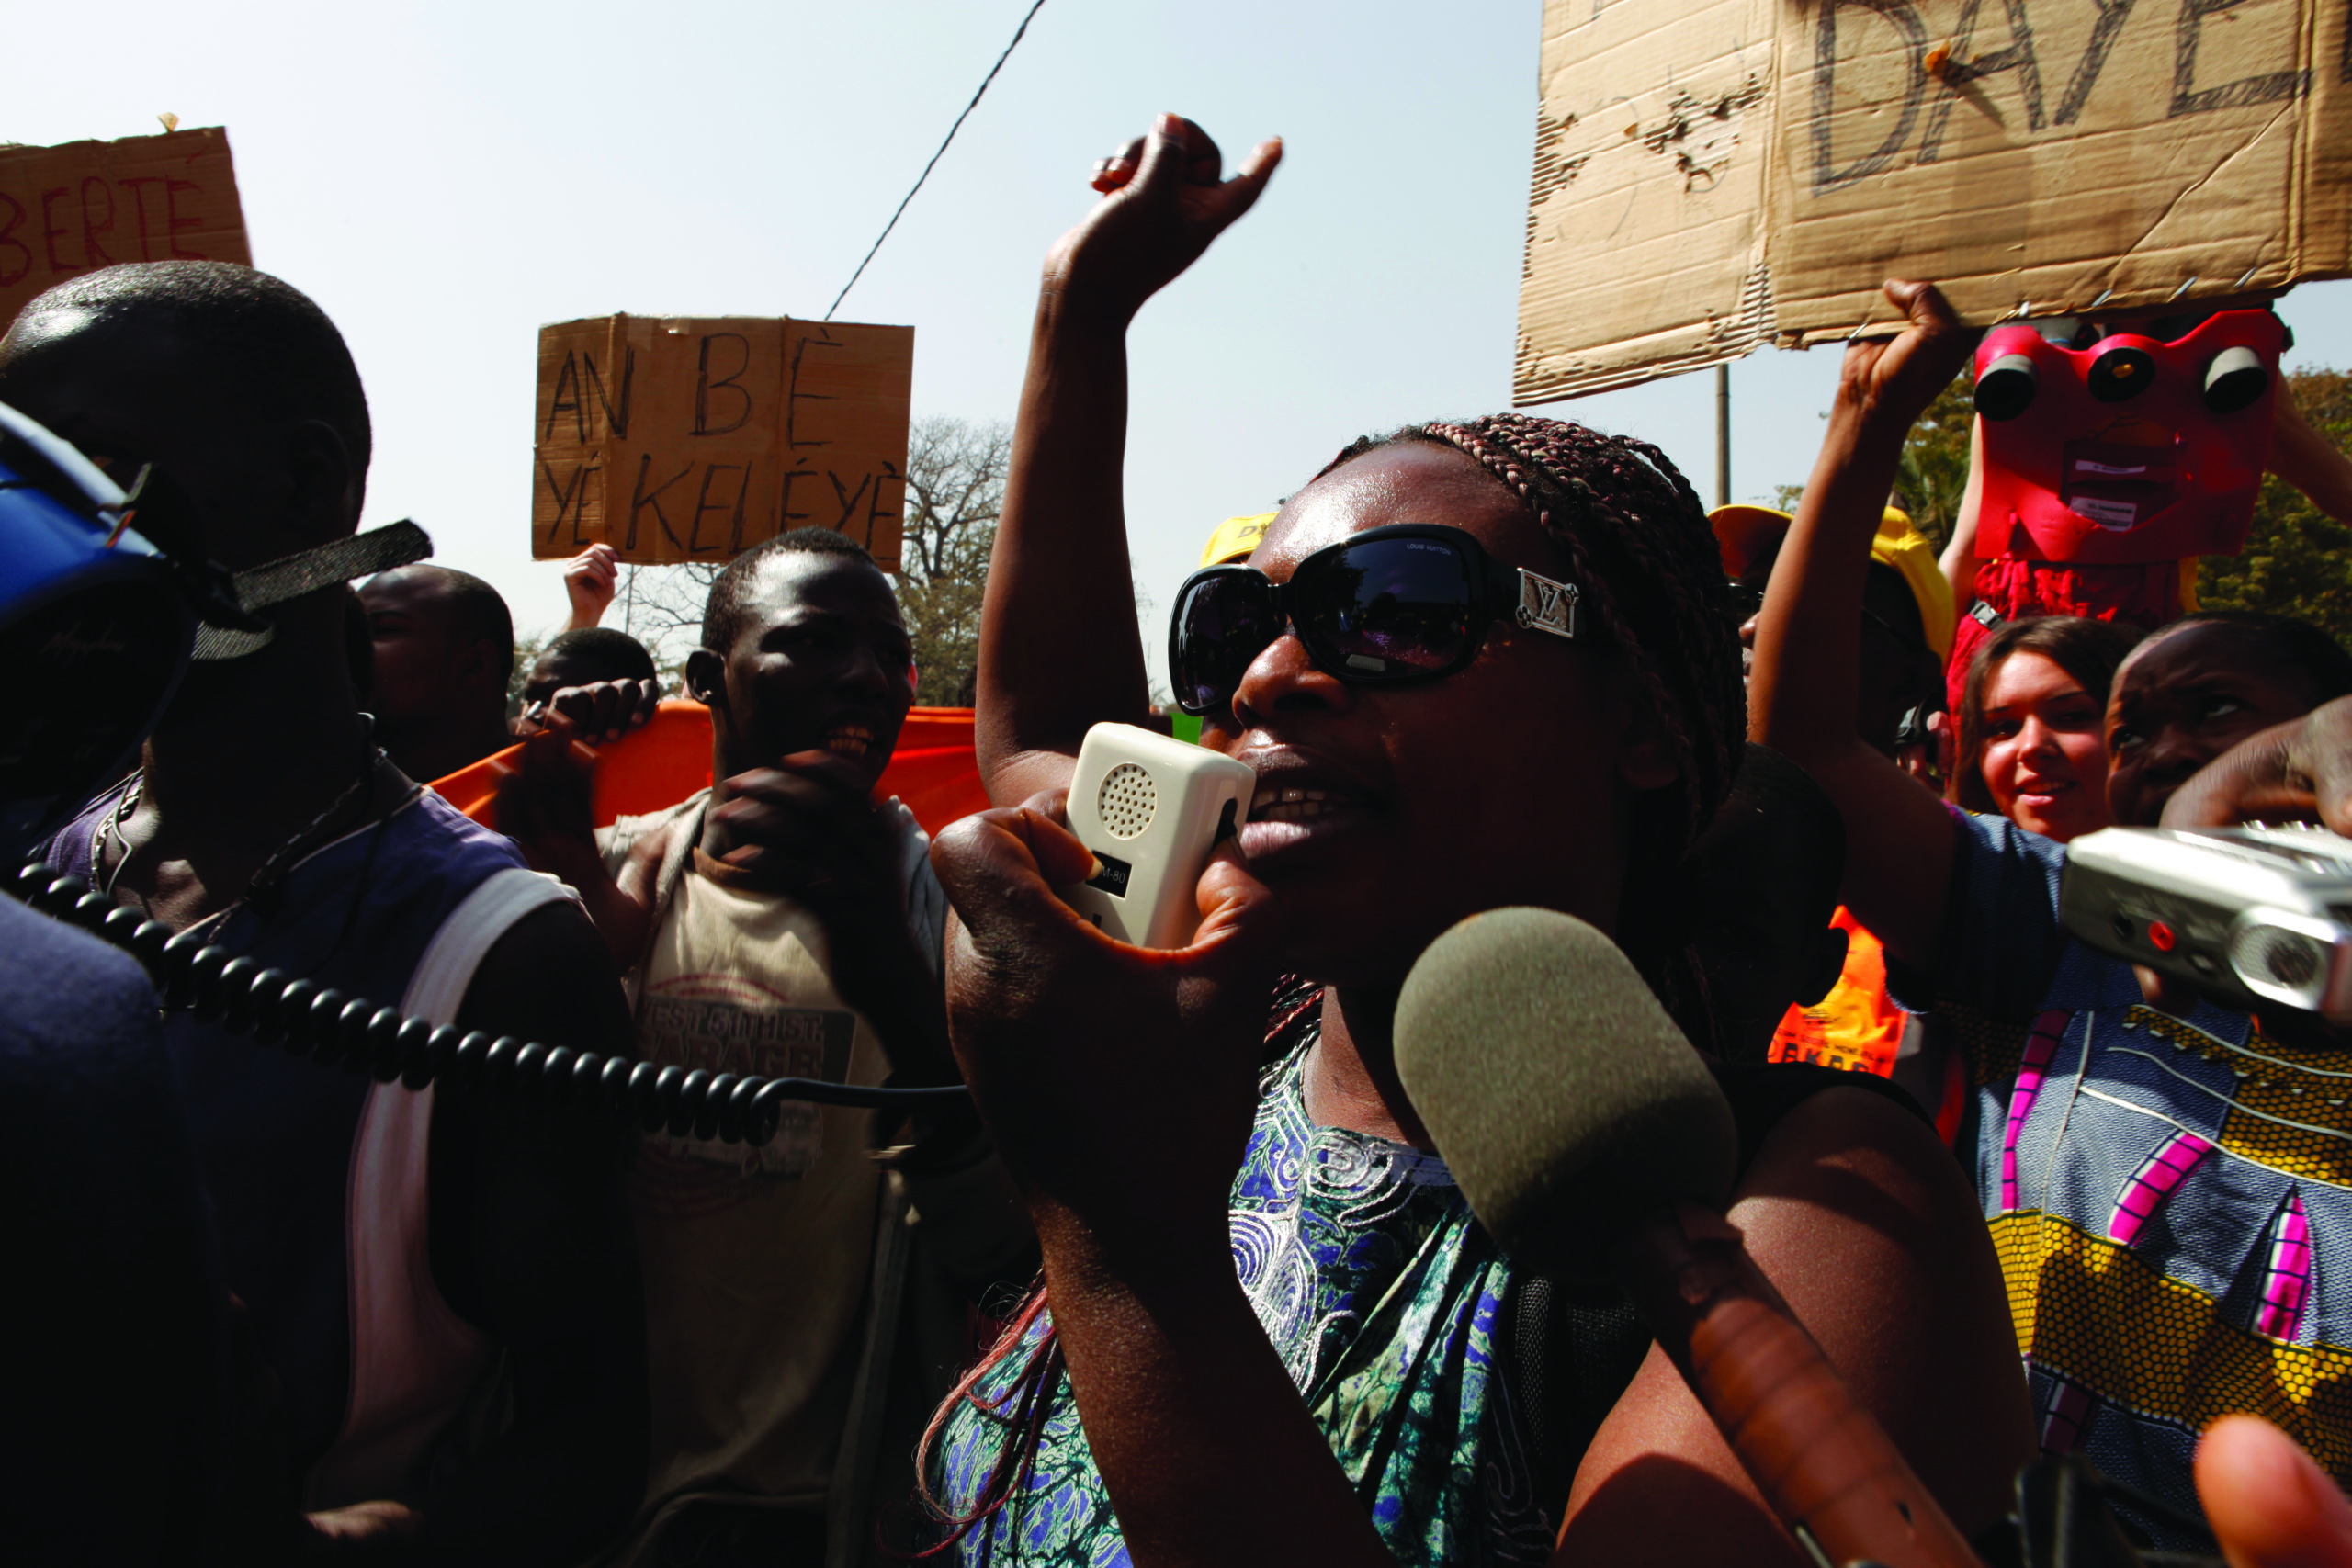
(933, 769)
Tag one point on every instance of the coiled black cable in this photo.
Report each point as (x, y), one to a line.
(303, 1019)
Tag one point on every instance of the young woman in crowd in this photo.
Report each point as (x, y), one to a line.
(2033, 720)
(1271, 1331)
(2159, 1186)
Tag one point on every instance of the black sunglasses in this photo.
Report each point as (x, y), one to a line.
(1384, 607)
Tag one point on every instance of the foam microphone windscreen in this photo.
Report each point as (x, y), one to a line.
(1563, 1098)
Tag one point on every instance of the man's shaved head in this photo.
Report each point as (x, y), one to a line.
(443, 647)
(466, 608)
(724, 611)
(264, 344)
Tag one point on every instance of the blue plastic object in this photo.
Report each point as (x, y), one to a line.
(94, 631)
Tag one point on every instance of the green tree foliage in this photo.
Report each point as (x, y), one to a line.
(1934, 473)
(2298, 559)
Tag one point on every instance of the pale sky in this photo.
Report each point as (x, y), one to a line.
(444, 178)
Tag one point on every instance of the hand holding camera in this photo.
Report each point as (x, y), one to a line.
(2257, 918)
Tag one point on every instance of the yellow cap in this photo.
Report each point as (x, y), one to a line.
(1745, 533)
(1235, 538)
(1904, 547)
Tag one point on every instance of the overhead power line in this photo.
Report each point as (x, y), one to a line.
(952, 129)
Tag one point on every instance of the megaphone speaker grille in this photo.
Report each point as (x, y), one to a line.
(1127, 801)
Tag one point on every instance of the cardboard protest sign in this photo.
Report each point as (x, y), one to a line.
(1645, 232)
(70, 210)
(1712, 175)
(694, 438)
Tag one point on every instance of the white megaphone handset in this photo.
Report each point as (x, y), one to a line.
(1151, 809)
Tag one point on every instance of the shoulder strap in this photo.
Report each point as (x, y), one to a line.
(684, 824)
(413, 1359)
(438, 985)
(926, 900)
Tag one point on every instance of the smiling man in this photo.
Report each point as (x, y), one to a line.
(2198, 687)
(784, 923)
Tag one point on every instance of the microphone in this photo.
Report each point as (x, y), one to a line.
(1582, 1127)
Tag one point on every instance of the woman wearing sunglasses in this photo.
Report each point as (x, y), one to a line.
(1473, 665)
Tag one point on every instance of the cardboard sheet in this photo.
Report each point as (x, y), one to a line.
(694, 438)
(1644, 230)
(70, 210)
(1712, 175)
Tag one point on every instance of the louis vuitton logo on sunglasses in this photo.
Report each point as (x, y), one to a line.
(1547, 607)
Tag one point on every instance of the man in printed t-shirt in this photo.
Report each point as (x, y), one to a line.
(786, 924)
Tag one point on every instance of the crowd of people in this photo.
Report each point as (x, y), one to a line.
(1184, 1279)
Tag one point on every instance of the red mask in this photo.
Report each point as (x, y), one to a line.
(2134, 450)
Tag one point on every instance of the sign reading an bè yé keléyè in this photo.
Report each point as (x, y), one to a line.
(1715, 174)
(694, 438)
(73, 208)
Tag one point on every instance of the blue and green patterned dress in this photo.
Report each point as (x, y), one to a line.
(1383, 1296)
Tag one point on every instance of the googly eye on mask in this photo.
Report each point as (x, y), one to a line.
(2133, 448)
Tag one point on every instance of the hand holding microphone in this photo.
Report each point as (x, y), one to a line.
(1581, 1126)
(1075, 1044)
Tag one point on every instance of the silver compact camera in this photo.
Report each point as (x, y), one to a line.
(2252, 917)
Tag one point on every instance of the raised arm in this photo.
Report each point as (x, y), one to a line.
(1808, 637)
(1960, 557)
(2302, 455)
(1059, 646)
(590, 580)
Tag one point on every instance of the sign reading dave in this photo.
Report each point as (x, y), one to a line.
(70, 210)
(692, 439)
(1714, 174)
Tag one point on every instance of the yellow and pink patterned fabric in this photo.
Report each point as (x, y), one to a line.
(2171, 1198)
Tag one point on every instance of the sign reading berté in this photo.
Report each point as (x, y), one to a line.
(694, 438)
(70, 210)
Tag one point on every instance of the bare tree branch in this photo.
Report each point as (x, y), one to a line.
(955, 473)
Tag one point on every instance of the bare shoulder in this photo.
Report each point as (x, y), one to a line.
(1865, 1224)
(1869, 1227)
(1815, 1152)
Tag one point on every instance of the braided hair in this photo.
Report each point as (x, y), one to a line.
(1641, 553)
(1643, 557)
